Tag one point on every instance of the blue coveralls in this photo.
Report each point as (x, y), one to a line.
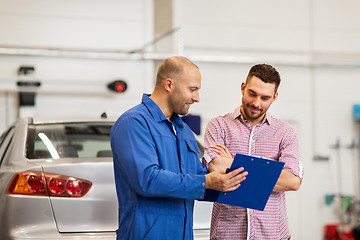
(157, 173)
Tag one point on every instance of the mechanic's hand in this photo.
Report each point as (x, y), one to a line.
(225, 182)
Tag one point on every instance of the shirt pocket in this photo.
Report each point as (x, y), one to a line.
(191, 160)
(192, 146)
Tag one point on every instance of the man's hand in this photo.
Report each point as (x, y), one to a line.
(221, 150)
(220, 164)
(225, 182)
(224, 161)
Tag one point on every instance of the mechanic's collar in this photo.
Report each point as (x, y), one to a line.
(156, 112)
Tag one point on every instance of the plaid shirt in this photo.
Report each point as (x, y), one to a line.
(272, 138)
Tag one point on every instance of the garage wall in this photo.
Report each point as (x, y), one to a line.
(313, 44)
(71, 24)
(74, 84)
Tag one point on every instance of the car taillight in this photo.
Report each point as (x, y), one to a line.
(47, 184)
(57, 186)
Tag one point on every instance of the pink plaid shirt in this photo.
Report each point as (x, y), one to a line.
(272, 138)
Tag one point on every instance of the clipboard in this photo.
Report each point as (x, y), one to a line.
(255, 190)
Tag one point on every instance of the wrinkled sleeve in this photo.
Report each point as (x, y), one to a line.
(213, 135)
(289, 153)
(136, 156)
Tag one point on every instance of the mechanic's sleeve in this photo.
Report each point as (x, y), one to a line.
(134, 149)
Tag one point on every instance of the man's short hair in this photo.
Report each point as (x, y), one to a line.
(266, 73)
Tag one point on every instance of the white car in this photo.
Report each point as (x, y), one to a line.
(57, 182)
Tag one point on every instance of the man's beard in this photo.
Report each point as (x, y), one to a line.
(179, 107)
(252, 116)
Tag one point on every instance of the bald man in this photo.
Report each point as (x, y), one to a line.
(156, 164)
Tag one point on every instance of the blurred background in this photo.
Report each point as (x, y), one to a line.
(57, 59)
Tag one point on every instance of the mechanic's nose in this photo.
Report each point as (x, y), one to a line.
(196, 97)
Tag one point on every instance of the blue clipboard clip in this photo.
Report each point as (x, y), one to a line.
(255, 191)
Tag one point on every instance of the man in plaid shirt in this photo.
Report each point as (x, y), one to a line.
(251, 130)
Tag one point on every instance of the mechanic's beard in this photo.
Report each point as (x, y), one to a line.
(184, 110)
(179, 107)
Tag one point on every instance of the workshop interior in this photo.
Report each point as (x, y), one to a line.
(85, 60)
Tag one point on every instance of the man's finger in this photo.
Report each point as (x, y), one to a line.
(236, 171)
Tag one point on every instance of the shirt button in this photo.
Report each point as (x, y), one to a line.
(200, 197)
(203, 184)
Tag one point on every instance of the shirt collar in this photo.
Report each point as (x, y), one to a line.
(237, 114)
(156, 112)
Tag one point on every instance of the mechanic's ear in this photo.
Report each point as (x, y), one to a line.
(168, 84)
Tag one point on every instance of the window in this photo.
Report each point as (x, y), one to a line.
(69, 140)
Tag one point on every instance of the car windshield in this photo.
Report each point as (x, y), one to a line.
(68, 140)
